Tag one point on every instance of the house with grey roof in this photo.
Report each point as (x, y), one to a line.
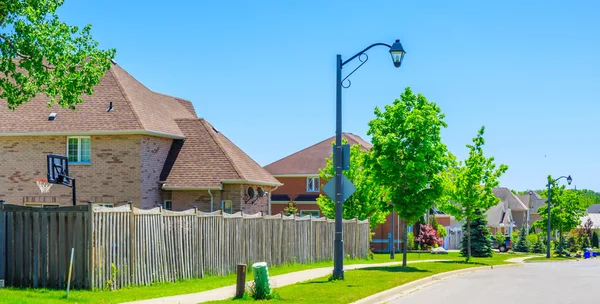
(126, 143)
(510, 213)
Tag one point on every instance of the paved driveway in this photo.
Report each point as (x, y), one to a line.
(533, 283)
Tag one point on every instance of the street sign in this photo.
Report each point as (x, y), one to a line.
(345, 156)
(347, 188)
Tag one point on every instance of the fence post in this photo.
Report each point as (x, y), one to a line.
(90, 246)
(356, 238)
(132, 264)
(2, 243)
(241, 281)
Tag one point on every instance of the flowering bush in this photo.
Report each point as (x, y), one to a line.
(428, 237)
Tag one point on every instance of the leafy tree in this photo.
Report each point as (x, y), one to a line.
(568, 206)
(290, 209)
(477, 242)
(522, 244)
(442, 231)
(470, 191)
(595, 239)
(367, 202)
(539, 246)
(41, 54)
(585, 242)
(411, 241)
(408, 154)
(428, 237)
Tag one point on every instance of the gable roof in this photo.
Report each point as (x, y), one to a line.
(511, 201)
(499, 216)
(532, 201)
(311, 159)
(208, 159)
(136, 110)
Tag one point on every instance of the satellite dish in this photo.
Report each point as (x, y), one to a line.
(250, 192)
(261, 192)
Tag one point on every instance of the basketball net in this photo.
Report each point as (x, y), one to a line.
(43, 184)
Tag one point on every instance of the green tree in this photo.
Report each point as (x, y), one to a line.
(408, 155)
(367, 202)
(41, 54)
(568, 206)
(477, 242)
(522, 243)
(470, 188)
(539, 246)
(595, 239)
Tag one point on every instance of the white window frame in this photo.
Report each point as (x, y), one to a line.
(170, 207)
(42, 205)
(79, 150)
(316, 184)
(223, 206)
(317, 211)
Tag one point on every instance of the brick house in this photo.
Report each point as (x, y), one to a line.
(128, 143)
(299, 172)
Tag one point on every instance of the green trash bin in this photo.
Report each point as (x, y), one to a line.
(261, 280)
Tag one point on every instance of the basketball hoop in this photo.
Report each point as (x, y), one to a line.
(43, 184)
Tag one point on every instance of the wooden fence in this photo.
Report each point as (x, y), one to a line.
(35, 246)
(124, 246)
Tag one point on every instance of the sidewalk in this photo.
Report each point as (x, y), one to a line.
(228, 292)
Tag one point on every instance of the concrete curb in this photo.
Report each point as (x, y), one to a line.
(399, 291)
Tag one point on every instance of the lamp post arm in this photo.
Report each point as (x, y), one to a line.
(559, 178)
(366, 49)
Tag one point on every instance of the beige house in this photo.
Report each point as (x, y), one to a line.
(128, 143)
(509, 214)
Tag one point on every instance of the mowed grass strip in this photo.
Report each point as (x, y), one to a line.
(15, 295)
(358, 283)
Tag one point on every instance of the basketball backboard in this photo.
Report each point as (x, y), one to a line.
(58, 170)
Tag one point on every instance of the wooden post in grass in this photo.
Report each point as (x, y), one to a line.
(241, 281)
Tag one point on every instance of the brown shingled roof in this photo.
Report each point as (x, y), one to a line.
(136, 108)
(310, 160)
(208, 158)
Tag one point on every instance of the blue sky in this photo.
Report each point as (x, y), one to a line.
(263, 72)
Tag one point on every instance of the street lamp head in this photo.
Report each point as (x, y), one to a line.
(397, 52)
(569, 179)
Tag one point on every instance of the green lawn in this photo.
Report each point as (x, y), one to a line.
(361, 283)
(12, 295)
(551, 259)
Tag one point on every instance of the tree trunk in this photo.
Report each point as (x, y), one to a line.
(405, 242)
(468, 239)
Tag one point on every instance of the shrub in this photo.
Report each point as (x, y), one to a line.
(595, 239)
(573, 244)
(442, 231)
(499, 238)
(532, 238)
(585, 243)
(539, 246)
(522, 243)
(411, 241)
(428, 237)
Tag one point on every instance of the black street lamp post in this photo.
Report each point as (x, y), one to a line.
(397, 53)
(569, 180)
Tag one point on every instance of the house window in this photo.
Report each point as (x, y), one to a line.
(79, 149)
(42, 205)
(312, 184)
(313, 213)
(227, 206)
(168, 205)
(104, 205)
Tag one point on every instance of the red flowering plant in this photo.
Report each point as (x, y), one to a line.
(428, 237)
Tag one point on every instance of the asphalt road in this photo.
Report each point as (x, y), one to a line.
(533, 283)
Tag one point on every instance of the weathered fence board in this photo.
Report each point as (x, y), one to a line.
(125, 246)
(37, 244)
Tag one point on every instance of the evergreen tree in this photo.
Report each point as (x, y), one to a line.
(522, 243)
(595, 239)
(585, 243)
(481, 242)
(561, 248)
(539, 246)
(573, 244)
